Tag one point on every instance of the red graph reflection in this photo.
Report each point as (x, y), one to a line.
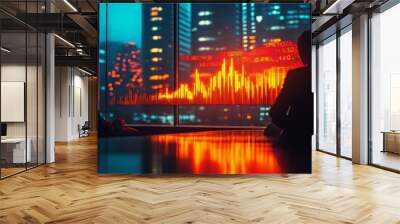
(237, 77)
(216, 152)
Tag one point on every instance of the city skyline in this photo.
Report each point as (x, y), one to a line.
(202, 30)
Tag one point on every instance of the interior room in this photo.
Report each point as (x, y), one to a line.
(22, 98)
(199, 112)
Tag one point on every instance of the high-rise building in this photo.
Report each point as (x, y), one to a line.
(184, 36)
(158, 55)
(212, 28)
(247, 25)
(280, 21)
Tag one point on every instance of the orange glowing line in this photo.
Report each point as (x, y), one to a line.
(226, 86)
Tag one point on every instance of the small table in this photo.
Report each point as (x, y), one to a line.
(391, 141)
(16, 148)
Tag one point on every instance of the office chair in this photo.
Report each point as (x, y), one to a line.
(84, 130)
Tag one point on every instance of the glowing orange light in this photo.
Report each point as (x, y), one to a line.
(246, 77)
(237, 152)
(228, 86)
(159, 77)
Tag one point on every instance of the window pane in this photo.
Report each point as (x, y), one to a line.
(13, 84)
(32, 97)
(385, 84)
(41, 99)
(346, 94)
(327, 96)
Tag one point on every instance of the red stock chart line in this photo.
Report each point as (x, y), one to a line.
(227, 86)
(230, 83)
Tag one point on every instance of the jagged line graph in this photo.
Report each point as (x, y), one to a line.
(228, 86)
(231, 84)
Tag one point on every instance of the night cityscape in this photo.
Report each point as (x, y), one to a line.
(145, 65)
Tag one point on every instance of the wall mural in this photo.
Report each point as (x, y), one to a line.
(204, 88)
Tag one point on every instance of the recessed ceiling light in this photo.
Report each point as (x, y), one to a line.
(70, 5)
(84, 71)
(5, 50)
(65, 41)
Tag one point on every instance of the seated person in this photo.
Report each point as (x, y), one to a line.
(292, 112)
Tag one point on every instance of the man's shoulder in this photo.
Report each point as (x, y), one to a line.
(300, 70)
(298, 73)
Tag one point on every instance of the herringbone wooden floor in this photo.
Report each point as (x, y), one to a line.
(70, 191)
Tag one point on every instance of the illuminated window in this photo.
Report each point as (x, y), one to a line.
(276, 40)
(205, 22)
(154, 13)
(156, 37)
(155, 87)
(154, 28)
(156, 50)
(277, 28)
(204, 13)
(155, 68)
(204, 48)
(275, 12)
(156, 18)
(156, 8)
(205, 39)
(156, 59)
(159, 77)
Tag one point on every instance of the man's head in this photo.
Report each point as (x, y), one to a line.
(304, 47)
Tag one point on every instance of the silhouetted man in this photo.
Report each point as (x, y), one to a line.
(292, 112)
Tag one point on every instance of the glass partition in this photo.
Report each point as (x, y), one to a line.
(41, 97)
(31, 97)
(346, 93)
(14, 151)
(385, 89)
(22, 89)
(327, 96)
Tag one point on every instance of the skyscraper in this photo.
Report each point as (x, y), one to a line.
(212, 28)
(158, 42)
(184, 35)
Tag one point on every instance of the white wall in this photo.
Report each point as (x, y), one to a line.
(33, 127)
(71, 102)
(14, 73)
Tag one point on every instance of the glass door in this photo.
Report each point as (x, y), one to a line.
(327, 93)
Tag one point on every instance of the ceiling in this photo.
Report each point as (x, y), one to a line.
(75, 22)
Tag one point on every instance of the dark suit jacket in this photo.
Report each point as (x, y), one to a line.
(293, 109)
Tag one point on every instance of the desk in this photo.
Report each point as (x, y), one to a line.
(13, 150)
(391, 141)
